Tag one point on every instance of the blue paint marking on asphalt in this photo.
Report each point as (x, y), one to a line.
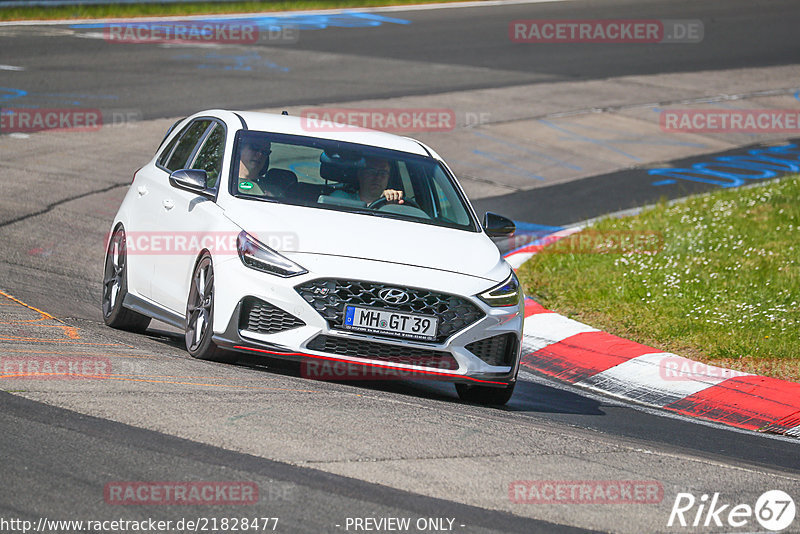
(7, 93)
(313, 22)
(579, 137)
(797, 95)
(530, 233)
(79, 95)
(497, 158)
(495, 168)
(649, 140)
(345, 19)
(636, 139)
(246, 62)
(734, 171)
(528, 150)
(533, 228)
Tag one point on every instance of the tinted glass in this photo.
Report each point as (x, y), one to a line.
(186, 145)
(209, 157)
(162, 159)
(328, 174)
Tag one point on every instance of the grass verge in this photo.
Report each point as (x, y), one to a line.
(184, 9)
(715, 278)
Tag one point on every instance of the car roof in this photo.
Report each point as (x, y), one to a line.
(293, 125)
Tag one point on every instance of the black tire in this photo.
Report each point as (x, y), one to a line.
(484, 394)
(200, 315)
(115, 287)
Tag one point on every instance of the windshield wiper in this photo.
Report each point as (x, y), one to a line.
(261, 199)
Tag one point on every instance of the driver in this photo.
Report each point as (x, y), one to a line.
(372, 181)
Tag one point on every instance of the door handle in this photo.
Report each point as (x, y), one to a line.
(142, 190)
(168, 204)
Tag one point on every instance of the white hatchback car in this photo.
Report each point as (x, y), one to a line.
(344, 248)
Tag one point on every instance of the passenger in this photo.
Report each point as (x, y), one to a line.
(253, 165)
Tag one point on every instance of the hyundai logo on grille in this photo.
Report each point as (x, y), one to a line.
(393, 296)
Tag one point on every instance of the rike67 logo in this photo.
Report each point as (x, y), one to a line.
(774, 510)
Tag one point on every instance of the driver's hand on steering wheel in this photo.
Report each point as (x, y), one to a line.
(393, 195)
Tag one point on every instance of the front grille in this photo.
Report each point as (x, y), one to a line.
(497, 350)
(264, 318)
(330, 297)
(381, 351)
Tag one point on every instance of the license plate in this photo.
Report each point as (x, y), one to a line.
(375, 321)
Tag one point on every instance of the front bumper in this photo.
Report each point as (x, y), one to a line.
(349, 355)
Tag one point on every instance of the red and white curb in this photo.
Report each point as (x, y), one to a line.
(559, 347)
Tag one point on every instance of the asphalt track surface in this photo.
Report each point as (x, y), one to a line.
(458, 48)
(82, 451)
(580, 200)
(56, 461)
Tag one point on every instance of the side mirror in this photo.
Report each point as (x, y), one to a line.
(497, 225)
(192, 180)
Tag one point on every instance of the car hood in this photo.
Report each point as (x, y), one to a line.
(307, 230)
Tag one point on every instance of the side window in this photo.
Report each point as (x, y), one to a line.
(209, 157)
(162, 159)
(185, 147)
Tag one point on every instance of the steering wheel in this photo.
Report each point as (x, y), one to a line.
(381, 202)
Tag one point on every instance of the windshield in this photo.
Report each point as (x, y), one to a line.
(348, 177)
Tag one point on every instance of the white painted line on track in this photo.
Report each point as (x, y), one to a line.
(11, 67)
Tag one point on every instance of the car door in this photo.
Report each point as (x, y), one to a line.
(141, 218)
(189, 217)
(156, 231)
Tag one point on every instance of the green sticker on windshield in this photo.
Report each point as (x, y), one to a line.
(246, 185)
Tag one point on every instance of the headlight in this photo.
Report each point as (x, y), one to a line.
(258, 256)
(505, 294)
